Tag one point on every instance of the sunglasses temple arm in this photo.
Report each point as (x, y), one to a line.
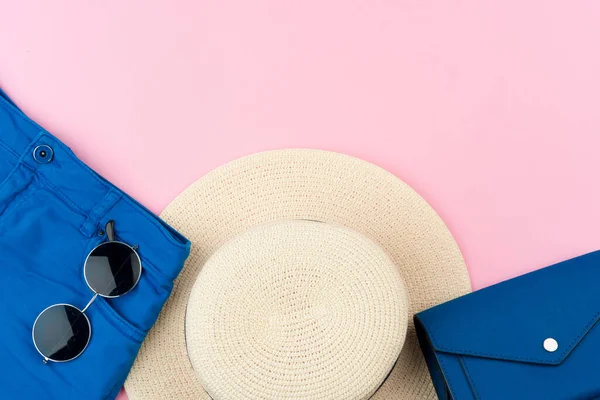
(90, 303)
(110, 231)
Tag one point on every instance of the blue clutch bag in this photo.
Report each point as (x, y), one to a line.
(536, 336)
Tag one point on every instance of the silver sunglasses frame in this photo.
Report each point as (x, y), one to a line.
(46, 359)
(111, 239)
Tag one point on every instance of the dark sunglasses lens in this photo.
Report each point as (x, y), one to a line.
(61, 332)
(112, 269)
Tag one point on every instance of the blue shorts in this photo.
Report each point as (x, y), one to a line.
(52, 209)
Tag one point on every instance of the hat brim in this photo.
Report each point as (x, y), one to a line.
(313, 185)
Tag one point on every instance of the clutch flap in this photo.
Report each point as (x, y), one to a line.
(537, 318)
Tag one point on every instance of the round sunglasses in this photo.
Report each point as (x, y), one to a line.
(62, 331)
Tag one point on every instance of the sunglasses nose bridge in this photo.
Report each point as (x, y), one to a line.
(90, 302)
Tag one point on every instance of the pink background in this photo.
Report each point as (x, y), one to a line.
(489, 109)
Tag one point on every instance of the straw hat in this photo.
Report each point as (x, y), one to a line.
(305, 272)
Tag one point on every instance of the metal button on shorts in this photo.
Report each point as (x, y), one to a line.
(43, 154)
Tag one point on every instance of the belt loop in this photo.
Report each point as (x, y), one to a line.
(89, 226)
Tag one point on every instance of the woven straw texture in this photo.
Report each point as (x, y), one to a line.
(296, 310)
(311, 185)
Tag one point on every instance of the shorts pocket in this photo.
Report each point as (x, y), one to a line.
(142, 305)
(120, 323)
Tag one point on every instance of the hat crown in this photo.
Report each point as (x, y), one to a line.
(296, 309)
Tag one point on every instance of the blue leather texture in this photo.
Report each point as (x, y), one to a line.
(489, 345)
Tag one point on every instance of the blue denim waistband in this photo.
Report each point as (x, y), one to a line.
(19, 139)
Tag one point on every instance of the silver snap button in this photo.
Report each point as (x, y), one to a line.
(43, 154)
(550, 345)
